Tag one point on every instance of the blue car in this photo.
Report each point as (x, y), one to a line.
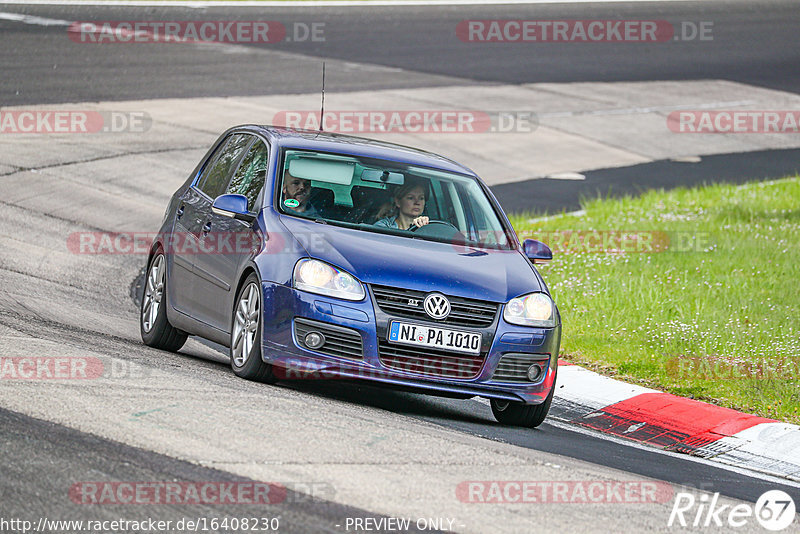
(315, 255)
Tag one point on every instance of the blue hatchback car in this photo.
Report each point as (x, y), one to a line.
(315, 255)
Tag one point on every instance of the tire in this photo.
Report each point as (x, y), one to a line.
(519, 414)
(246, 330)
(153, 323)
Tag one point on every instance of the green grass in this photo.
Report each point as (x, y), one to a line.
(724, 294)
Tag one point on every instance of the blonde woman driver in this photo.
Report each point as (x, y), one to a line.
(409, 203)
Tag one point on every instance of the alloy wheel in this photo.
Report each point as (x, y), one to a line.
(153, 293)
(245, 324)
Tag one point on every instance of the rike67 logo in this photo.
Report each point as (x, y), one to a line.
(774, 510)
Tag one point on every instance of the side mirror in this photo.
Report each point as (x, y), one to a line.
(536, 251)
(233, 206)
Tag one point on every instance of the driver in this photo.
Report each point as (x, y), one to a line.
(297, 192)
(409, 203)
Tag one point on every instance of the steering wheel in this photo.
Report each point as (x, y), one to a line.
(443, 223)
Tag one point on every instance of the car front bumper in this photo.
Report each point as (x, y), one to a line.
(350, 324)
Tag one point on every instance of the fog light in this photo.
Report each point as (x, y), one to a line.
(315, 340)
(534, 372)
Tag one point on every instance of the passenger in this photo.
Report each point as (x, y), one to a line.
(409, 203)
(384, 210)
(297, 190)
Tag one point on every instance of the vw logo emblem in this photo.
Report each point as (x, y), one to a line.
(436, 306)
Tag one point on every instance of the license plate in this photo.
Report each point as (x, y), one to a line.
(431, 336)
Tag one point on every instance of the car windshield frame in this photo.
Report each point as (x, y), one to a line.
(463, 184)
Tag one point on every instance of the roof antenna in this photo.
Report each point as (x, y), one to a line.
(322, 108)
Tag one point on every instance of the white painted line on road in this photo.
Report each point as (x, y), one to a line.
(30, 19)
(592, 390)
(316, 3)
(651, 109)
(566, 176)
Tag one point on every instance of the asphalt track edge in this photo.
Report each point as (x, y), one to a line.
(678, 424)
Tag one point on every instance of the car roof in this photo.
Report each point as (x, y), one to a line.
(359, 146)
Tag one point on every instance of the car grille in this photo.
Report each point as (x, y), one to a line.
(430, 362)
(463, 312)
(339, 341)
(514, 367)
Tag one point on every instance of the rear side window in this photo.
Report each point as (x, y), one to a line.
(213, 182)
(249, 177)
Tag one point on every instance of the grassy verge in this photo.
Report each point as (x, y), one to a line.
(703, 302)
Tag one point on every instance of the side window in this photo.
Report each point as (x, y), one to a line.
(213, 182)
(432, 202)
(249, 177)
(209, 164)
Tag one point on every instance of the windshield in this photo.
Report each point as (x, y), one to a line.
(388, 197)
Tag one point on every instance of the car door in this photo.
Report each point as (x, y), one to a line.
(195, 225)
(230, 241)
(181, 242)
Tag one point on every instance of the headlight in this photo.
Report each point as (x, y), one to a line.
(536, 309)
(315, 276)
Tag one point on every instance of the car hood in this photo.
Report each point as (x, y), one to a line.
(374, 258)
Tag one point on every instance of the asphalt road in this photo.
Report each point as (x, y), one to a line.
(754, 42)
(555, 196)
(185, 417)
(69, 457)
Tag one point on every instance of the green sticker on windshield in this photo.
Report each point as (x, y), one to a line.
(291, 203)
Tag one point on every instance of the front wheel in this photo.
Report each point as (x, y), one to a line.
(519, 414)
(246, 331)
(153, 323)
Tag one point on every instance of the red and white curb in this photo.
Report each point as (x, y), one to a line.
(675, 423)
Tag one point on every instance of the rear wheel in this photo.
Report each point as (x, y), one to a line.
(153, 323)
(246, 331)
(519, 414)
